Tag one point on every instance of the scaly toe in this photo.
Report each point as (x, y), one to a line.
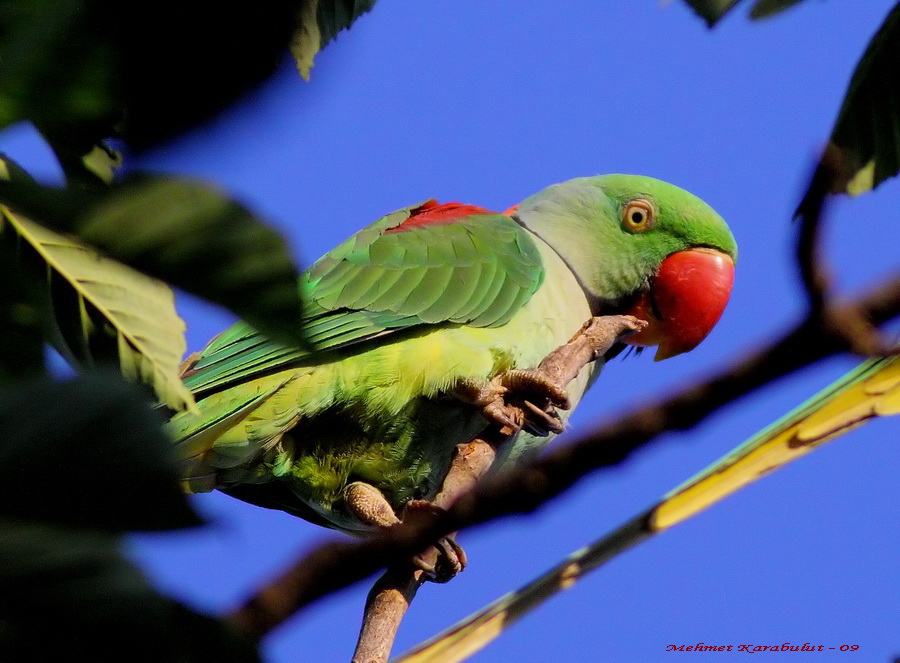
(423, 564)
(502, 415)
(451, 560)
(449, 556)
(542, 422)
(536, 381)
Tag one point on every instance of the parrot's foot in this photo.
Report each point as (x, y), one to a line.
(440, 563)
(517, 399)
(446, 558)
(369, 504)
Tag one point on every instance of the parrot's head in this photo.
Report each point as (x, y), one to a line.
(643, 247)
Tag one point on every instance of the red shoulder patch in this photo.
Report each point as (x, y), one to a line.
(433, 213)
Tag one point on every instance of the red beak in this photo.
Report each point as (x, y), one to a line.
(687, 296)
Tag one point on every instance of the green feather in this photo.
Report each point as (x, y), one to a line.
(429, 292)
(389, 279)
(445, 253)
(580, 219)
(479, 314)
(348, 293)
(392, 300)
(452, 301)
(500, 308)
(487, 277)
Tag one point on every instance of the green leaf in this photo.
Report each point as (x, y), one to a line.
(318, 22)
(10, 171)
(712, 10)
(185, 233)
(68, 595)
(88, 452)
(307, 38)
(97, 62)
(89, 61)
(337, 15)
(23, 306)
(85, 157)
(22, 320)
(215, 52)
(766, 8)
(106, 311)
(864, 149)
(58, 62)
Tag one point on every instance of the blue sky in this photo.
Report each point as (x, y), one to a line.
(487, 103)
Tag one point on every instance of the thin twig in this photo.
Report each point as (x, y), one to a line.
(390, 596)
(857, 332)
(339, 564)
(386, 605)
(813, 273)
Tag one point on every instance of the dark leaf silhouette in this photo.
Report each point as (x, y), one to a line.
(88, 453)
(67, 594)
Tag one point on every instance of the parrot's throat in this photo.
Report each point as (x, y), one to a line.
(598, 305)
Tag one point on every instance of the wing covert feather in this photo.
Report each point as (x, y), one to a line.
(477, 269)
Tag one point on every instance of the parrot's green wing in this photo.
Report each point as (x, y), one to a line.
(423, 265)
(871, 390)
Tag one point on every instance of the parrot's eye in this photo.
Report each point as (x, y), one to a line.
(638, 216)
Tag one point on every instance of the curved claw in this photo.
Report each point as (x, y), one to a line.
(450, 560)
(504, 401)
(534, 380)
(542, 422)
(501, 414)
(421, 563)
(369, 505)
(449, 557)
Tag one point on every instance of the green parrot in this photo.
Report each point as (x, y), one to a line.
(412, 313)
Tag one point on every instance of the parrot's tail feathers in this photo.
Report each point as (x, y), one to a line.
(870, 390)
(196, 434)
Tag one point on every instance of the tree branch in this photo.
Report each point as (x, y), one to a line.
(338, 564)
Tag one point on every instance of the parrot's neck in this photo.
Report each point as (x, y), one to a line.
(570, 219)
